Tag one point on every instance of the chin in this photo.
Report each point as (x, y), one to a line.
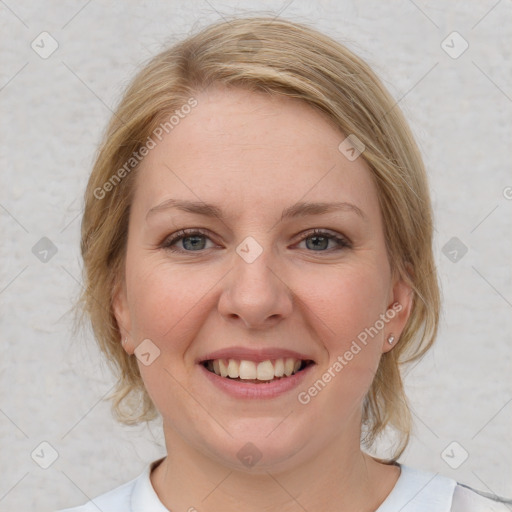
(260, 447)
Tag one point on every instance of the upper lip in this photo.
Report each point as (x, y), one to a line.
(251, 354)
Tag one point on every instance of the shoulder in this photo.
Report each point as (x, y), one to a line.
(424, 491)
(135, 495)
(466, 499)
(111, 501)
(419, 491)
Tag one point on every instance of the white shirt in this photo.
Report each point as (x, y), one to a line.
(414, 491)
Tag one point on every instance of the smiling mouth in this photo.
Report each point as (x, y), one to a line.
(256, 373)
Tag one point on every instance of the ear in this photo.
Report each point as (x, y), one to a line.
(122, 314)
(398, 312)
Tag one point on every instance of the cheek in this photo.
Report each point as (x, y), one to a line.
(163, 300)
(348, 299)
(344, 305)
(167, 306)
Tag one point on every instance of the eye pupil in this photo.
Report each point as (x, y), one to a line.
(195, 242)
(319, 242)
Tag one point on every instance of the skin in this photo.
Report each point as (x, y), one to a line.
(254, 155)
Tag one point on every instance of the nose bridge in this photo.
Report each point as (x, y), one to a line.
(254, 293)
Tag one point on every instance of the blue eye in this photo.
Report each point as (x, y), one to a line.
(192, 241)
(320, 240)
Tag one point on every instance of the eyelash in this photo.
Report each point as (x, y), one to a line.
(168, 243)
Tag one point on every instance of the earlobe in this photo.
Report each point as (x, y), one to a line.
(398, 313)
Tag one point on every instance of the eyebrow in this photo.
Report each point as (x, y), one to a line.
(300, 209)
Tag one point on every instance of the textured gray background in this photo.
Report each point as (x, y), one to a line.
(53, 111)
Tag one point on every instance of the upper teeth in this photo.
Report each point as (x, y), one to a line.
(266, 370)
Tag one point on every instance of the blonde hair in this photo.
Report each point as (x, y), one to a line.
(278, 57)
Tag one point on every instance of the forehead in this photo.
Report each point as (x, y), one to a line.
(253, 152)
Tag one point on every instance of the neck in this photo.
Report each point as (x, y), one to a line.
(333, 480)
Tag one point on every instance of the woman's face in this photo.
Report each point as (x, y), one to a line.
(250, 177)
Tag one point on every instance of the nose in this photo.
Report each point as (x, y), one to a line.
(254, 294)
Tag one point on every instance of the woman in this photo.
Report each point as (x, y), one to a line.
(257, 241)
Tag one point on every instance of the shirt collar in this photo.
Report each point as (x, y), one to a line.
(144, 497)
(419, 491)
(414, 491)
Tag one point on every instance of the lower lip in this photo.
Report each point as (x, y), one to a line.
(241, 389)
